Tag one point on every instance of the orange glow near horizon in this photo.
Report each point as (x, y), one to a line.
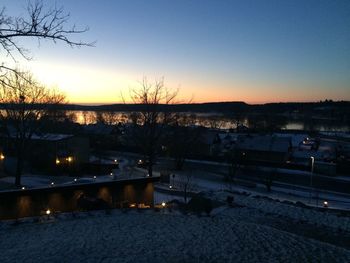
(92, 85)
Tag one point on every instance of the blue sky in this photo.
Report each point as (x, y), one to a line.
(255, 51)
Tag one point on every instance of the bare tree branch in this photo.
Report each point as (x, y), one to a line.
(40, 23)
(25, 103)
(151, 121)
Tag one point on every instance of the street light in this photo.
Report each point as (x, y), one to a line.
(312, 173)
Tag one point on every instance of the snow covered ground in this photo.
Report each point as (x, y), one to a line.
(258, 230)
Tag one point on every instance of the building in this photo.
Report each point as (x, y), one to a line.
(265, 148)
(48, 152)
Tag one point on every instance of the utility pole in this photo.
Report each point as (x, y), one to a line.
(311, 176)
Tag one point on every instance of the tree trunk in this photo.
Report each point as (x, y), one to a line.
(150, 169)
(179, 163)
(19, 169)
(20, 161)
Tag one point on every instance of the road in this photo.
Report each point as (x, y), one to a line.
(284, 181)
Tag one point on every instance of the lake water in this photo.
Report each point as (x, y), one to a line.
(206, 120)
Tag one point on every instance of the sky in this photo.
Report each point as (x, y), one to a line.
(250, 50)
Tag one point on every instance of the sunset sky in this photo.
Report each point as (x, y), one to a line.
(252, 51)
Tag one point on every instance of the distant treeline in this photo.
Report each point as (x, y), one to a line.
(211, 107)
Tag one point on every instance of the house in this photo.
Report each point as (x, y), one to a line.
(224, 143)
(103, 136)
(296, 138)
(49, 152)
(264, 148)
(131, 192)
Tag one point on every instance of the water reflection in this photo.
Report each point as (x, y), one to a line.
(209, 120)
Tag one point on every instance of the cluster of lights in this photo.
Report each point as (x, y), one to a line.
(68, 159)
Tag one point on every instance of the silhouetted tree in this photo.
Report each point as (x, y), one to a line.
(183, 138)
(185, 183)
(39, 23)
(150, 122)
(25, 102)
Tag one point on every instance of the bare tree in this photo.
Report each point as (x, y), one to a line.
(107, 117)
(39, 23)
(25, 102)
(151, 121)
(183, 138)
(185, 183)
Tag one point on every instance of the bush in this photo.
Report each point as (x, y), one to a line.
(199, 204)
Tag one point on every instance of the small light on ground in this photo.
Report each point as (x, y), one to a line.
(325, 204)
(48, 212)
(170, 186)
(111, 173)
(23, 188)
(94, 176)
(52, 183)
(115, 160)
(163, 204)
(75, 179)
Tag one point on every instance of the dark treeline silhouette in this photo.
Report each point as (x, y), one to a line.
(218, 107)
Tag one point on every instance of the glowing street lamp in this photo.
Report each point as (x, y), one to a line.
(312, 173)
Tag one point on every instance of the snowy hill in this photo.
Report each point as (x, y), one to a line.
(259, 230)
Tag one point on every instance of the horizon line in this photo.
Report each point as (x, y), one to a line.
(207, 102)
